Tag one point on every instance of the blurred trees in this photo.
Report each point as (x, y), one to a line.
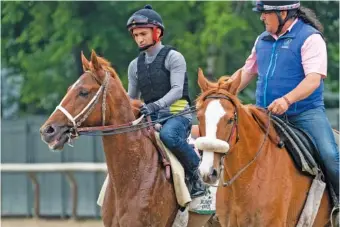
(41, 42)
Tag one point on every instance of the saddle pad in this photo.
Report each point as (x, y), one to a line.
(181, 189)
(178, 176)
(202, 205)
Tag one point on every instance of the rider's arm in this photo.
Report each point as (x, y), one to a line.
(133, 89)
(246, 77)
(176, 64)
(249, 70)
(314, 61)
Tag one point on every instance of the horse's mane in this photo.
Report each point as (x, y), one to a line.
(135, 103)
(107, 66)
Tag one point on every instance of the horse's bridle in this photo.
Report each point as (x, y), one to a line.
(89, 107)
(235, 127)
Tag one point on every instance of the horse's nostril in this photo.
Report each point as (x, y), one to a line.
(214, 172)
(49, 129)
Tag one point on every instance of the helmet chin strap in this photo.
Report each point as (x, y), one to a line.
(147, 46)
(154, 38)
(281, 22)
(290, 14)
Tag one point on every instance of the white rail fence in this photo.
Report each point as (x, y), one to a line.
(32, 169)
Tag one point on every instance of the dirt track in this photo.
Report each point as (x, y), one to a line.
(10, 222)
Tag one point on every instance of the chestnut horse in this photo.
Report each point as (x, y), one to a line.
(138, 193)
(264, 188)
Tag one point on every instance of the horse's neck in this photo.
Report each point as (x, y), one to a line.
(129, 156)
(251, 139)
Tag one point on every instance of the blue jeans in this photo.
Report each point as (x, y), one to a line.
(174, 135)
(316, 124)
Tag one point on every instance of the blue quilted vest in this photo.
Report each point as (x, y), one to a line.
(280, 69)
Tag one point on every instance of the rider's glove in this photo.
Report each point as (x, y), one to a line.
(149, 108)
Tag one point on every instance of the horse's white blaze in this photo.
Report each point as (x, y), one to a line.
(213, 114)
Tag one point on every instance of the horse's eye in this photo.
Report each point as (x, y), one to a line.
(230, 120)
(83, 93)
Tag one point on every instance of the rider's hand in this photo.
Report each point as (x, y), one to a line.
(149, 108)
(279, 106)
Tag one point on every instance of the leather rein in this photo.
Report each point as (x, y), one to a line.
(106, 130)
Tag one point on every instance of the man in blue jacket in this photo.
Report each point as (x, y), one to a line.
(290, 59)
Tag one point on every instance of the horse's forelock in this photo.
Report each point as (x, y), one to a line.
(217, 91)
(224, 80)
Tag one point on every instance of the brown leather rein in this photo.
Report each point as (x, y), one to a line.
(135, 125)
(106, 130)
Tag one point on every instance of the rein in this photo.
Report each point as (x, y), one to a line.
(128, 127)
(235, 127)
(106, 130)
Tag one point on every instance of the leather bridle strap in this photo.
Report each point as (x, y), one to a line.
(89, 107)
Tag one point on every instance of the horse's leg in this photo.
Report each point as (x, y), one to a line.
(107, 208)
(213, 222)
(198, 220)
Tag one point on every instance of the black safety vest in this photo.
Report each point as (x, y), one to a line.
(154, 78)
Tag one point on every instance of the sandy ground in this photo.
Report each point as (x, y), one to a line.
(31, 222)
(26, 222)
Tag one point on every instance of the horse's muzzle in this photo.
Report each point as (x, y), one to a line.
(55, 136)
(211, 177)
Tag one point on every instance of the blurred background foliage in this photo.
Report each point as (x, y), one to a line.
(42, 41)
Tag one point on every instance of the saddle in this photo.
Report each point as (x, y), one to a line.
(303, 151)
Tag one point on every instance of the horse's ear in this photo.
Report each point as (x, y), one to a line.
(85, 62)
(203, 83)
(236, 81)
(94, 61)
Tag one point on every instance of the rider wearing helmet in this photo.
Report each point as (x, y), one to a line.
(158, 75)
(290, 59)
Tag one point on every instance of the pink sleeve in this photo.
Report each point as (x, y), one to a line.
(251, 63)
(314, 55)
